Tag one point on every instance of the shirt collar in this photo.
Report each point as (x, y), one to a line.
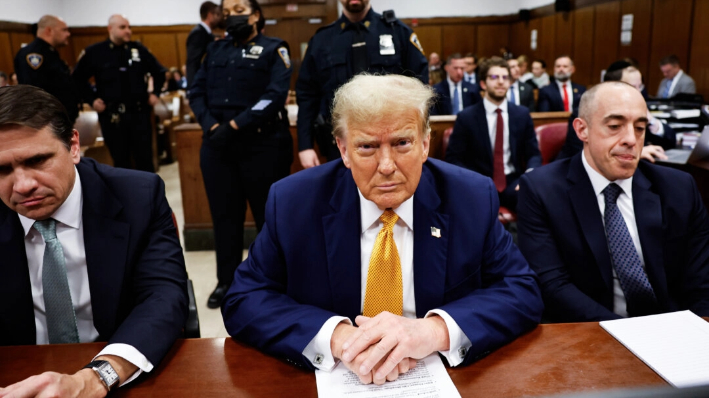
(345, 23)
(599, 182)
(491, 108)
(370, 213)
(561, 84)
(678, 75)
(69, 213)
(453, 84)
(206, 27)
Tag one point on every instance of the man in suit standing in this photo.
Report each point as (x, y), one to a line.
(520, 93)
(454, 282)
(675, 81)
(200, 37)
(610, 236)
(495, 137)
(562, 95)
(90, 253)
(454, 93)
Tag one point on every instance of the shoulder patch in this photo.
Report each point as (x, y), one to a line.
(415, 41)
(34, 60)
(283, 52)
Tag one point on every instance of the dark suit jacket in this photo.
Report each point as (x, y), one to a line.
(561, 233)
(305, 264)
(197, 42)
(137, 276)
(443, 106)
(470, 145)
(550, 99)
(526, 96)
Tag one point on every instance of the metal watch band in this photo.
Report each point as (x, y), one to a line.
(105, 372)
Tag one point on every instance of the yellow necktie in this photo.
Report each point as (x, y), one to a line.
(385, 290)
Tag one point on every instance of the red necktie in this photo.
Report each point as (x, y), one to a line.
(566, 98)
(498, 166)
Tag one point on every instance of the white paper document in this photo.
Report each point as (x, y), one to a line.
(428, 379)
(675, 345)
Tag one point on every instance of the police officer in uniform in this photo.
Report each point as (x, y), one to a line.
(239, 97)
(38, 64)
(121, 68)
(361, 40)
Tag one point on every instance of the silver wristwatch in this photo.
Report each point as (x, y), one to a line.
(105, 372)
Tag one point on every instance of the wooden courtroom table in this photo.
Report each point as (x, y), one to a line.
(551, 359)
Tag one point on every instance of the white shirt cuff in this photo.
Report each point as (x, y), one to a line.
(130, 354)
(459, 342)
(318, 351)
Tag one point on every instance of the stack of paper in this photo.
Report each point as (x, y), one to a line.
(675, 345)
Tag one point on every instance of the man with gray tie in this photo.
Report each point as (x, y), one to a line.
(454, 94)
(89, 253)
(610, 236)
(675, 81)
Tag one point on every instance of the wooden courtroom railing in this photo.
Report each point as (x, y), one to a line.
(198, 221)
(551, 359)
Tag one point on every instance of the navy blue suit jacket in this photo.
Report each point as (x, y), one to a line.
(137, 276)
(304, 266)
(550, 98)
(470, 145)
(562, 236)
(443, 106)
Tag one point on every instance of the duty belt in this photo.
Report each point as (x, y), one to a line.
(119, 108)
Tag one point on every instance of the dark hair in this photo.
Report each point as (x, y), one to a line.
(489, 63)
(33, 107)
(564, 56)
(471, 55)
(207, 8)
(3, 75)
(614, 73)
(670, 59)
(453, 56)
(541, 61)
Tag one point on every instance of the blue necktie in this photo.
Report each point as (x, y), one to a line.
(637, 289)
(512, 95)
(668, 85)
(456, 101)
(61, 318)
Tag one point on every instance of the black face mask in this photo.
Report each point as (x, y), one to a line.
(238, 27)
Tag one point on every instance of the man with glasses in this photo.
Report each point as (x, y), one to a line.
(495, 137)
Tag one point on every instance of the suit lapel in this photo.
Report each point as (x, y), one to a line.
(106, 242)
(17, 325)
(430, 252)
(556, 94)
(481, 121)
(648, 217)
(343, 247)
(514, 135)
(583, 200)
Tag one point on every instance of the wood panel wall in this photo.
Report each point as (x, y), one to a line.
(590, 34)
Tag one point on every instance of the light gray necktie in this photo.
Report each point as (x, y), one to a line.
(61, 318)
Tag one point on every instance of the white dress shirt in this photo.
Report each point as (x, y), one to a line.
(206, 27)
(470, 78)
(674, 82)
(451, 88)
(627, 210)
(491, 114)
(569, 92)
(70, 233)
(513, 88)
(318, 350)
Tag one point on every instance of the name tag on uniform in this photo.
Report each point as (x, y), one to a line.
(134, 55)
(386, 45)
(256, 50)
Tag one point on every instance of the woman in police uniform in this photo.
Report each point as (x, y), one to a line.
(238, 97)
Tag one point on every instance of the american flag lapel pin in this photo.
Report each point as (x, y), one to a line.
(435, 232)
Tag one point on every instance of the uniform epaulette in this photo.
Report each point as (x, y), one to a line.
(327, 26)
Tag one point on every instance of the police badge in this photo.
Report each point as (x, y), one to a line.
(386, 45)
(35, 60)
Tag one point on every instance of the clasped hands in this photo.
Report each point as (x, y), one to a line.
(387, 345)
(219, 133)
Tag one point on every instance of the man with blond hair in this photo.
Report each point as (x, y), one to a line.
(385, 256)
(39, 64)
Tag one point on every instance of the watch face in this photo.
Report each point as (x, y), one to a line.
(108, 373)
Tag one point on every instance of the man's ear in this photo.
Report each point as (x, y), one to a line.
(75, 147)
(581, 128)
(342, 146)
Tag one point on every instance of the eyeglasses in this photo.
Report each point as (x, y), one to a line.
(498, 77)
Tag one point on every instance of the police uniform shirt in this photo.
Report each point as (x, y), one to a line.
(247, 83)
(392, 47)
(120, 72)
(38, 64)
